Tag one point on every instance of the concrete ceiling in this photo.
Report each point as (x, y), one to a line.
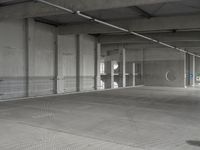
(30, 8)
(108, 10)
(136, 15)
(184, 7)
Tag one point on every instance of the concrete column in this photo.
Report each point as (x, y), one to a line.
(97, 66)
(142, 66)
(134, 74)
(185, 70)
(29, 35)
(59, 68)
(194, 71)
(112, 74)
(78, 65)
(56, 65)
(122, 53)
(109, 69)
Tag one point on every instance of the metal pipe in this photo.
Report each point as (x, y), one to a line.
(111, 25)
(79, 13)
(83, 15)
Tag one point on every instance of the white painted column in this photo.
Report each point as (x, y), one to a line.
(134, 74)
(122, 53)
(112, 74)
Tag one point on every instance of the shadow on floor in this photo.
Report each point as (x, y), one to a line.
(194, 143)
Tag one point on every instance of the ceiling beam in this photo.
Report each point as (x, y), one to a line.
(193, 47)
(33, 9)
(186, 22)
(192, 36)
(46, 21)
(185, 40)
(141, 12)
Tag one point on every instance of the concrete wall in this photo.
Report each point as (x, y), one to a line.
(12, 59)
(135, 56)
(69, 62)
(67, 47)
(35, 61)
(17, 59)
(111, 52)
(159, 66)
(163, 67)
(42, 60)
(87, 62)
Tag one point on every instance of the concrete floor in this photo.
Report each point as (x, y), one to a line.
(142, 118)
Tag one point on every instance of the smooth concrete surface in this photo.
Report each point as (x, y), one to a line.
(28, 62)
(142, 118)
(154, 66)
(38, 9)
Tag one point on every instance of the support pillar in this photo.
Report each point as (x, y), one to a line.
(57, 70)
(186, 70)
(134, 74)
(122, 53)
(78, 65)
(29, 34)
(109, 69)
(97, 66)
(194, 71)
(112, 74)
(142, 66)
